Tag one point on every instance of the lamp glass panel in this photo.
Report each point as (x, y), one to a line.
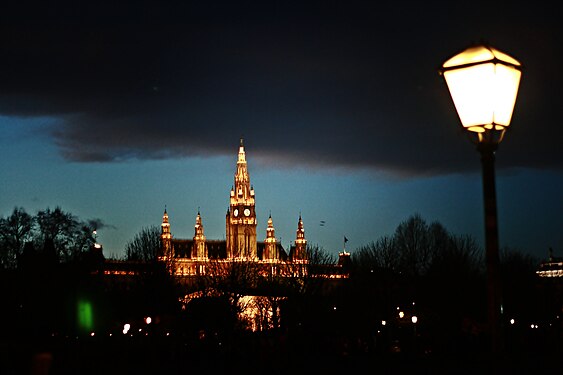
(507, 80)
(469, 56)
(472, 90)
(504, 57)
(478, 54)
(484, 95)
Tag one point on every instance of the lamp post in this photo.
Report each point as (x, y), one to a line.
(483, 83)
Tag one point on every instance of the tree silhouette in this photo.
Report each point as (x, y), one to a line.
(69, 236)
(15, 231)
(424, 270)
(413, 245)
(144, 246)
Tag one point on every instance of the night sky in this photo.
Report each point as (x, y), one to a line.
(114, 111)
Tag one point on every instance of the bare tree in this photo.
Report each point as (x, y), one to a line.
(69, 237)
(458, 259)
(439, 239)
(55, 223)
(15, 231)
(145, 245)
(413, 245)
(319, 256)
(378, 254)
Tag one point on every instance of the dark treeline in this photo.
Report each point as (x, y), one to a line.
(48, 271)
(425, 271)
(45, 262)
(59, 236)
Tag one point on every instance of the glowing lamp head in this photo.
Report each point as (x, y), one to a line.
(483, 83)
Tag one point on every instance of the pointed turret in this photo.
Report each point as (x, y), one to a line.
(166, 237)
(300, 253)
(270, 245)
(199, 250)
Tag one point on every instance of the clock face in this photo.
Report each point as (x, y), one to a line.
(236, 212)
(246, 212)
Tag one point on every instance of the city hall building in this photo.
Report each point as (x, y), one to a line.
(198, 256)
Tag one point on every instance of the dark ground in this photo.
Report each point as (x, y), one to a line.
(175, 355)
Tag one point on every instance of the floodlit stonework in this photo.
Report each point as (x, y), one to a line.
(200, 256)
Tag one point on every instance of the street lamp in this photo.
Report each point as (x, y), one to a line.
(483, 83)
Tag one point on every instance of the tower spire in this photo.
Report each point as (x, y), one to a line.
(165, 223)
(300, 254)
(241, 218)
(166, 237)
(270, 245)
(199, 249)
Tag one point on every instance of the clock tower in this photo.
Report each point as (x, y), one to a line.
(241, 215)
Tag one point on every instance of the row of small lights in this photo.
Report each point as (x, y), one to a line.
(533, 325)
(127, 328)
(414, 320)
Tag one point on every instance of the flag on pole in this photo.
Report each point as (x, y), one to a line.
(345, 239)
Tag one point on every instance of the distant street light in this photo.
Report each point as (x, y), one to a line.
(483, 83)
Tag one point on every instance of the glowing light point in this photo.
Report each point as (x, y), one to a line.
(483, 83)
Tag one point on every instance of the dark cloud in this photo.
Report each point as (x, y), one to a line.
(353, 86)
(97, 224)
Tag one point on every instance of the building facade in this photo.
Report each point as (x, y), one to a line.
(200, 264)
(192, 257)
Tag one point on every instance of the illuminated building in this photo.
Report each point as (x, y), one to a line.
(192, 257)
(553, 267)
(201, 264)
